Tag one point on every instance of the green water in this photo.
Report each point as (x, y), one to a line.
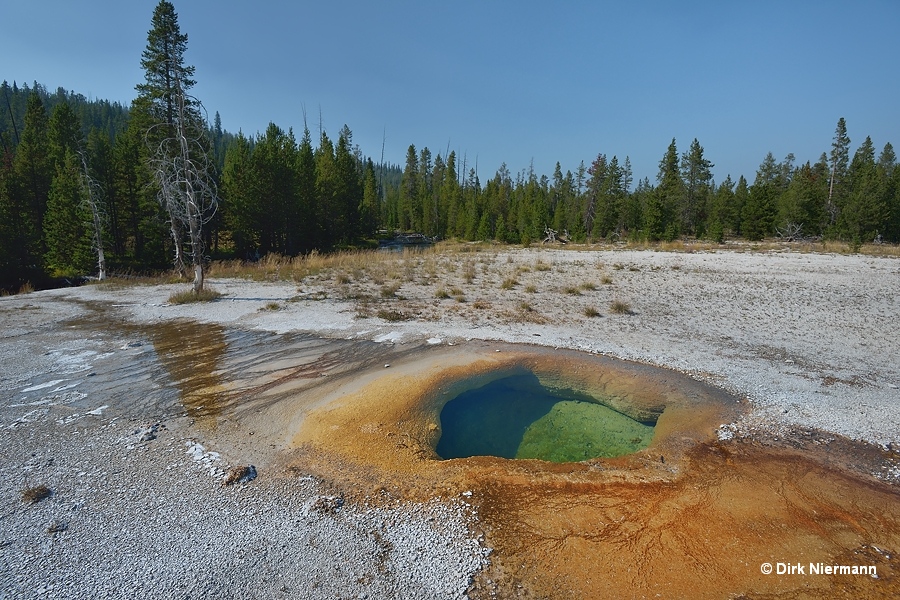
(515, 417)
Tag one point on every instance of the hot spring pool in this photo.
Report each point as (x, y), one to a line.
(517, 417)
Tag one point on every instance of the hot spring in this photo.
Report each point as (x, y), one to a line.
(519, 417)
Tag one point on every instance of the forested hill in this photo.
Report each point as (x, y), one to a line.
(103, 115)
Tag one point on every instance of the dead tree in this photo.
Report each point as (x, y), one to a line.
(549, 235)
(183, 173)
(94, 201)
(790, 232)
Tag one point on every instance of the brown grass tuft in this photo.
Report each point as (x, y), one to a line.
(36, 493)
(188, 296)
(620, 308)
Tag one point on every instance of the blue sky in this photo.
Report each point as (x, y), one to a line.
(510, 82)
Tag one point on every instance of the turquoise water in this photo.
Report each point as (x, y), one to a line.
(516, 417)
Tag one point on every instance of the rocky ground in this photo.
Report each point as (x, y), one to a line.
(91, 407)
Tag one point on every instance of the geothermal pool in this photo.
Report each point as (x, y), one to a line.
(518, 417)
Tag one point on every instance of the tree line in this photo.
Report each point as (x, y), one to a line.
(80, 176)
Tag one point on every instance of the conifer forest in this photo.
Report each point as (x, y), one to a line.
(88, 186)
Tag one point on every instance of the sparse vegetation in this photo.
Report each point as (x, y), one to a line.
(572, 290)
(271, 306)
(588, 286)
(441, 293)
(606, 280)
(591, 312)
(509, 283)
(531, 288)
(541, 266)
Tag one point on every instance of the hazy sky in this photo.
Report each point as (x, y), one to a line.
(510, 81)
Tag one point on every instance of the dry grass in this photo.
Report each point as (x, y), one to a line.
(389, 291)
(277, 267)
(469, 272)
(531, 288)
(509, 283)
(392, 315)
(591, 312)
(588, 286)
(36, 493)
(572, 290)
(441, 294)
(187, 297)
(271, 306)
(540, 265)
(606, 280)
(620, 308)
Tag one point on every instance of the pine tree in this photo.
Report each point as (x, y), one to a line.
(66, 231)
(721, 211)
(662, 218)
(34, 173)
(696, 174)
(326, 176)
(368, 208)
(311, 232)
(349, 189)
(865, 212)
(166, 75)
(758, 214)
(240, 202)
(887, 169)
(840, 160)
(410, 206)
(64, 133)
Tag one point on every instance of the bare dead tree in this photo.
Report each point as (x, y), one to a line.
(790, 231)
(94, 202)
(183, 172)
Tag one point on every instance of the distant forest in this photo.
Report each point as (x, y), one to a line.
(280, 194)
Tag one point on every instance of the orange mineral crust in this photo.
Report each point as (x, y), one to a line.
(690, 516)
